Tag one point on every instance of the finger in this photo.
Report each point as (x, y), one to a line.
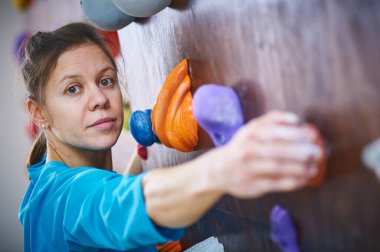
(301, 152)
(284, 133)
(276, 116)
(264, 186)
(289, 184)
(278, 168)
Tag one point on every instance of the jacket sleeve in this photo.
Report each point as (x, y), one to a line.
(102, 209)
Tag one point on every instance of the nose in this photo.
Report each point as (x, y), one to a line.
(97, 99)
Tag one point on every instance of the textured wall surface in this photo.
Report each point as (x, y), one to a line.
(317, 58)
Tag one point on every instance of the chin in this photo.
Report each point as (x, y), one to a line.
(103, 141)
(98, 147)
(105, 144)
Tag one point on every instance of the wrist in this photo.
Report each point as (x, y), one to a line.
(209, 167)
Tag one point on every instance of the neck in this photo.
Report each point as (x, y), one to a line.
(74, 157)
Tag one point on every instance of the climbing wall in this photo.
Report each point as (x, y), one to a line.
(317, 58)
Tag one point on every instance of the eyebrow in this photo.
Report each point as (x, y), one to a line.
(73, 76)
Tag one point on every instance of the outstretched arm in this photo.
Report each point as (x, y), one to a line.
(272, 153)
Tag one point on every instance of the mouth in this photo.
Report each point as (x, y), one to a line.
(103, 124)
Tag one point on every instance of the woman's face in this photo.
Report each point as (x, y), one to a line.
(83, 99)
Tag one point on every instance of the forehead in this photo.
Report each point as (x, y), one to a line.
(83, 56)
(85, 61)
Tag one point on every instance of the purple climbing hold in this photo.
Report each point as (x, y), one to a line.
(218, 111)
(283, 232)
(18, 48)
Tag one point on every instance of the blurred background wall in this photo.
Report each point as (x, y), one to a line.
(15, 143)
(45, 15)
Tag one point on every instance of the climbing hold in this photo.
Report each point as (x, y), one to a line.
(22, 5)
(111, 40)
(322, 166)
(32, 130)
(141, 127)
(210, 244)
(127, 115)
(105, 15)
(283, 232)
(19, 45)
(142, 151)
(174, 246)
(172, 116)
(141, 8)
(218, 111)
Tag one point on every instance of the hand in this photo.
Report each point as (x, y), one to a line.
(272, 153)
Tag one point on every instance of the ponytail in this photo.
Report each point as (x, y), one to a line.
(37, 151)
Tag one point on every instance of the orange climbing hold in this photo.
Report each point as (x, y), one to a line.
(173, 120)
(170, 247)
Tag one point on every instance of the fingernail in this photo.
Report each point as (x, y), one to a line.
(316, 151)
(291, 117)
(310, 151)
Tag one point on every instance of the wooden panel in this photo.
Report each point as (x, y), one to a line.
(318, 58)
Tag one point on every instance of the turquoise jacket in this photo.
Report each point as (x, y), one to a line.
(87, 209)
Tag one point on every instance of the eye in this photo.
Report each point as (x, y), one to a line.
(106, 82)
(73, 89)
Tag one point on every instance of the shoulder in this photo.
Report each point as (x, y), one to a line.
(61, 172)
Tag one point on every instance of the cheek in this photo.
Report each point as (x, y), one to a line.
(118, 103)
(65, 119)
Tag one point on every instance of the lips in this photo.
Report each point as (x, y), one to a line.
(104, 123)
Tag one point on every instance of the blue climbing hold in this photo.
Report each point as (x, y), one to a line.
(140, 124)
(105, 15)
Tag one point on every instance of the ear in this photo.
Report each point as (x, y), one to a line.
(37, 114)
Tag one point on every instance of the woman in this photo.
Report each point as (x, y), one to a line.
(76, 203)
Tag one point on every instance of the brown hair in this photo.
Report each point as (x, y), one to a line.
(42, 51)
